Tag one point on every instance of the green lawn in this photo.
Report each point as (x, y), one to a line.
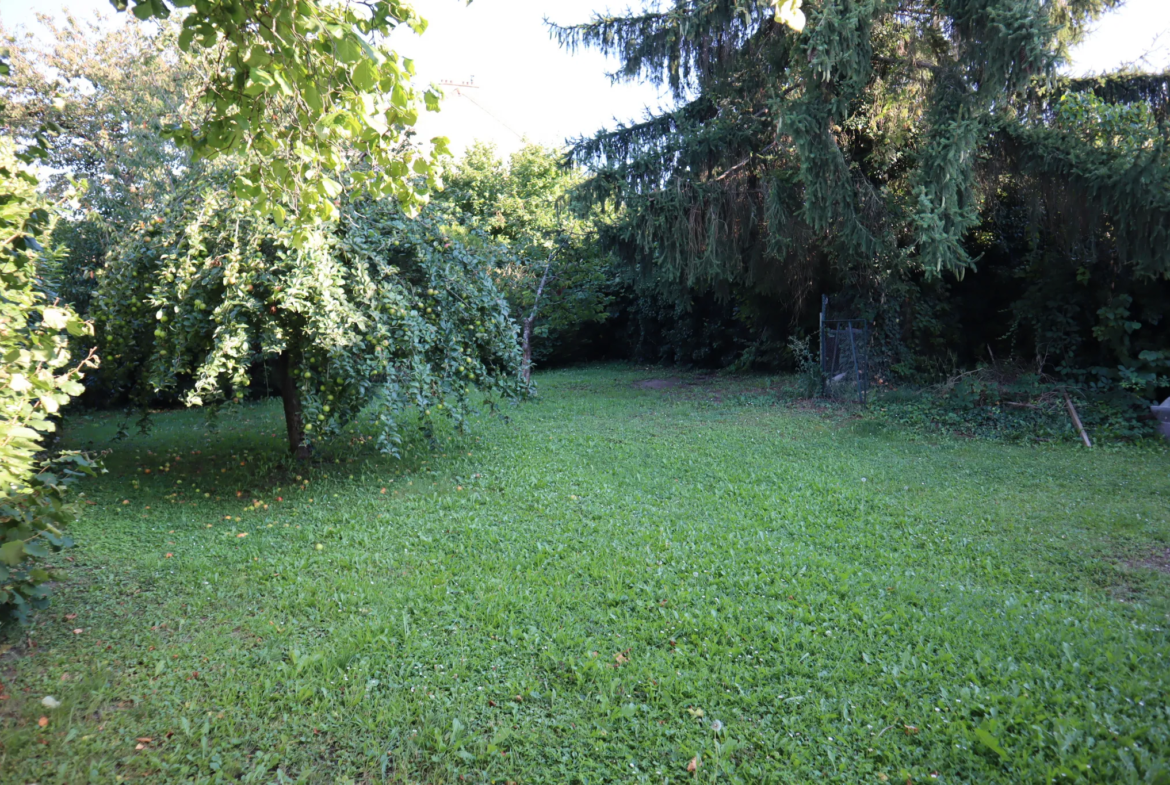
(614, 583)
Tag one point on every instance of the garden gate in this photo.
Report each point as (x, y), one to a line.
(844, 356)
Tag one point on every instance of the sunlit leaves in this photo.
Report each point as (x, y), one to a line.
(524, 204)
(36, 379)
(788, 13)
(306, 84)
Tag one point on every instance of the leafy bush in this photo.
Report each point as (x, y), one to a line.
(31, 524)
(36, 379)
(807, 367)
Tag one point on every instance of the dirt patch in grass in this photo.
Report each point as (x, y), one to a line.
(10, 654)
(658, 384)
(1157, 560)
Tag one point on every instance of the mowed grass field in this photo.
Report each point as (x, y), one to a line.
(678, 581)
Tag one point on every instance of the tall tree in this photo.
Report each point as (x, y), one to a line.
(112, 90)
(858, 146)
(297, 251)
(301, 101)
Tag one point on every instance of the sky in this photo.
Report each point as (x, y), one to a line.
(526, 87)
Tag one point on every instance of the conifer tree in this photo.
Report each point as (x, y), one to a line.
(845, 139)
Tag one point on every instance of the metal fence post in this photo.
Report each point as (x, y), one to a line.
(856, 366)
(824, 370)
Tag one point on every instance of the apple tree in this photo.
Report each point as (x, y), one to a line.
(381, 312)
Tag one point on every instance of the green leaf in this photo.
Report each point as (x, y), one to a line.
(261, 77)
(144, 9)
(331, 187)
(55, 318)
(257, 57)
(207, 35)
(399, 97)
(312, 97)
(36, 548)
(12, 553)
(285, 87)
(348, 50)
(364, 76)
(990, 742)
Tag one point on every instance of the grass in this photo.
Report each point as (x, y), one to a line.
(617, 585)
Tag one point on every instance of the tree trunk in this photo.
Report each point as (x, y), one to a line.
(293, 420)
(526, 368)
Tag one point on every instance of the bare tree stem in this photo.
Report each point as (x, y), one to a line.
(526, 367)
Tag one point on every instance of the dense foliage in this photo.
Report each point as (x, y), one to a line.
(379, 313)
(356, 309)
(36, 379)
(302, 91)
(555, 272)
(111, 90)
(887, 154)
